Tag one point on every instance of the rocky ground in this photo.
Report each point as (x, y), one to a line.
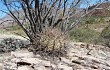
(80, 56)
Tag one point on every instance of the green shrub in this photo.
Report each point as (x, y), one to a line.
(90, 21)
(106, 35)
(94, 20)
(11, 44)
(83, 35)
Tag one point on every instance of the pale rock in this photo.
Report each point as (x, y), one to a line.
(74, 58)
(66, 60)
(53, 66)
(46, 63)
(13, 67)
(40, 68)
(15, 60)
(22, 55)
(37, 56)
(1, 66)
(25, 68)
(31, 60)
(64, 67)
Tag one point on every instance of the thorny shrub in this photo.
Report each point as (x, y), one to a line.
(52, 43)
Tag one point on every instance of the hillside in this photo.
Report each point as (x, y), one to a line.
(102, 10)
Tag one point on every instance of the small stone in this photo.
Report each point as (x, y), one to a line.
(53, 66)
(22, 54)
(46, 63)
(1, 66)
(15, 60)
(25, 68)
(64, 67)
(40, 68)
(31, 60)
(13, 67)
(74, 58)
(66, 60)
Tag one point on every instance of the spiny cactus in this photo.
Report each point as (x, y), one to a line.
(52, 42)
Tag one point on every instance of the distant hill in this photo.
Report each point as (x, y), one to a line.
(7, 17)
(102, 10)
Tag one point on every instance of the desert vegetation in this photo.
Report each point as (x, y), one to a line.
(55, 34)
(91, 30)
(50, 24)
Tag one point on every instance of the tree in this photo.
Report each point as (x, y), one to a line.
(39, 14)
(40, 18)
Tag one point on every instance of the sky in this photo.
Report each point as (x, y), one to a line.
(81, 6)
(91, 2)
(2, 7)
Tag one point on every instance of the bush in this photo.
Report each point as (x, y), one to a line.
(93, 20)
(84, 35)
(52, 43)
(106, 35)
(11, 44)
(90, 21)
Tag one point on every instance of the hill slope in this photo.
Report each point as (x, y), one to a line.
(102, 10)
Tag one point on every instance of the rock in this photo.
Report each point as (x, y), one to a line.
(54, 66)
(40, 68)
(64, 67)
(15, 60)
(77, 59)
(32, 60)
(46, 63)
(1, 66)
(25, 68)
(13, 67)
(65, 60)
(22, 54)
(74, 58)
